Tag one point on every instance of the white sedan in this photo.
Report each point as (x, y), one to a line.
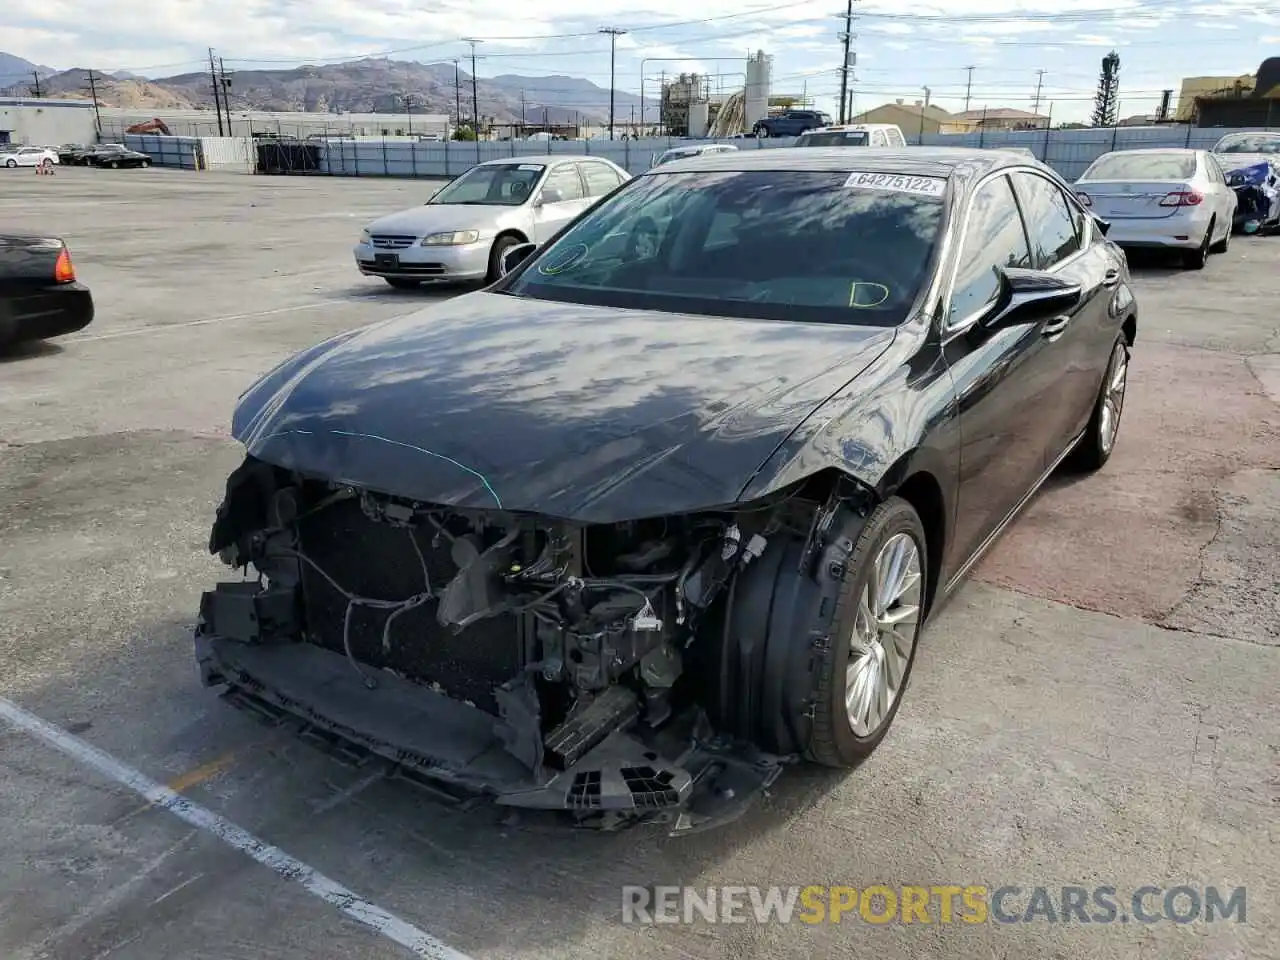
(1169, 198)
(463, 231)
(12, 156)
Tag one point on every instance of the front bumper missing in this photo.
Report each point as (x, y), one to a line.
(685, 778)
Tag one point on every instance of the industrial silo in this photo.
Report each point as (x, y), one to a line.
(759, 82)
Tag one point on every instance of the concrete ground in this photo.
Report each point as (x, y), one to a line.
(1097, 707)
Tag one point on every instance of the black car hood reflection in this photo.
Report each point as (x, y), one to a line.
(578, 412)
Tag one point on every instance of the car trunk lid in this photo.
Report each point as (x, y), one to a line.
(1132, 199)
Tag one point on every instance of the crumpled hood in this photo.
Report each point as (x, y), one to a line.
(579, 412)
(438, 218)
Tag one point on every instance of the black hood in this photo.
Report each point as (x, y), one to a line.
(587, 413)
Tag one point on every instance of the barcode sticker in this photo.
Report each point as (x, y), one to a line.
(898, 183)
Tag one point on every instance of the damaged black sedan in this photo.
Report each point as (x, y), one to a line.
(666, 507)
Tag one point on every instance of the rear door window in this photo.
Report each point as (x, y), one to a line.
(601, 179)
(994, 238)
(1051, 225)
(564, 181)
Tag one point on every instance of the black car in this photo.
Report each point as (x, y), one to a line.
(115, 156)
(39, 294)
(666, 507)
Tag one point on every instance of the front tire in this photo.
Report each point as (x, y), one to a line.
(1099, 441)
(500, 247)
(11, 164)
(872, 644)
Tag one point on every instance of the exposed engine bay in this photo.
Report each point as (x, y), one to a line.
(606, 670)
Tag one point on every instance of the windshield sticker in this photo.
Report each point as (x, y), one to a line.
(865, 295)
(896, 183)
(564, 261)
(528, 166)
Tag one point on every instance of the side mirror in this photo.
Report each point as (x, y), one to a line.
(1028, 296)
(548, 195)
(1103, 225)
(514, 256)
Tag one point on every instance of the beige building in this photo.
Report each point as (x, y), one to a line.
(1193, 87)
(1001, 118)
(912, 118)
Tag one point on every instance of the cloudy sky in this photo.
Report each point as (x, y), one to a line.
(899, 53)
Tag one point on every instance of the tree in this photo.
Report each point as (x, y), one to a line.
(464, 133)
(1105, 103)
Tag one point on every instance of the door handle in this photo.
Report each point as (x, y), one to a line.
(1055, 326)
(1111, 277)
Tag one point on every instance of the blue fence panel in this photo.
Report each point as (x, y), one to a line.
(180, 152)
(1068, 151)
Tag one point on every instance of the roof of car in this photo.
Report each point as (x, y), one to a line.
(963, 162)
(543, 159)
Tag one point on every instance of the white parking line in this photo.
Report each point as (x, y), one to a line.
(161, 327)
(386, 924)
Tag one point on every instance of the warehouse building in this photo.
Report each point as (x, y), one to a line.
(39, 122)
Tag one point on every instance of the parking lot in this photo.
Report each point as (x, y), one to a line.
(1097, 707)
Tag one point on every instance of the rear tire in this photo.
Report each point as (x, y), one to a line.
(115, 164)
(1197, 258)
(1222, 245)
(402, 284)
(11, 164)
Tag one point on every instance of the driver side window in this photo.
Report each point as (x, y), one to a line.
(994, 238)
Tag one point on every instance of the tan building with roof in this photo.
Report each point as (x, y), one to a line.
(1001, 118)
(1193, 87)
(912, 118)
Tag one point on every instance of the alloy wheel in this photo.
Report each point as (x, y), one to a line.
(1113, 398)
(884, 634)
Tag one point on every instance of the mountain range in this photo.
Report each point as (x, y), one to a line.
(359, 86)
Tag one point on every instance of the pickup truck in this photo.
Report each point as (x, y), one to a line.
(791, 124)
(40, 296)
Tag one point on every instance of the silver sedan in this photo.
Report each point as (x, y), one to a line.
(1170, 198)
(463, 231)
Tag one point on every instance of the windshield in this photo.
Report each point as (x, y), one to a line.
(498, 184)
(778, 245)
(833, 138)
(1142, 166)
(1249, 143)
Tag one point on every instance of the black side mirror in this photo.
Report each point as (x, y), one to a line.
(1028, 296)
(1103, 225)
(514, 256)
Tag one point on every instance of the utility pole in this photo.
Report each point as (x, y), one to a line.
(217, 101)
(968, 88)
(35, 90)
(614, 33)
(847, 61)
(1039, 85)
(93, 92)
(457, 96)
(523, 122)
(226, 94)
(475, 98)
